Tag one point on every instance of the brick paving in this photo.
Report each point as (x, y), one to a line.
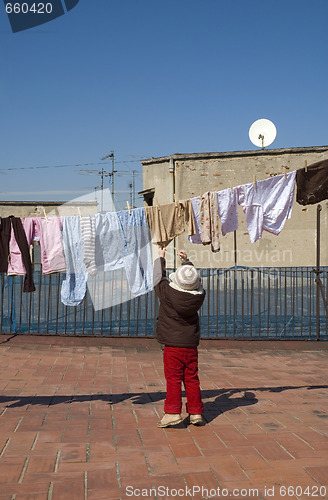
(78, 421)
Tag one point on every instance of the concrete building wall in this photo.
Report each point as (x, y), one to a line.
(180, 177)
(161, 179)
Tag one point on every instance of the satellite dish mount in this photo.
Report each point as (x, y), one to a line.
(262, 133)
(261, 137)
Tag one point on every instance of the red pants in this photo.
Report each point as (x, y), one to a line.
(181, 365)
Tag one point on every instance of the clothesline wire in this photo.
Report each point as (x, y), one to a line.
(64, 166)
(119, 202)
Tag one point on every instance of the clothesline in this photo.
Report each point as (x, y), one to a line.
(86, 244)
(316, 180)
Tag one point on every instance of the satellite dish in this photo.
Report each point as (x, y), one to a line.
(262, 133)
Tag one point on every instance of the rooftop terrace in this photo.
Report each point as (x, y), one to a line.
(78, 421)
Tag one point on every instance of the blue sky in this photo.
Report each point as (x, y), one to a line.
(152, 78)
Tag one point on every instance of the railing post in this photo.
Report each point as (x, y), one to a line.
(317, 271)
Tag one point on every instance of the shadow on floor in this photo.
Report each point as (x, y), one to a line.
(224, 399)
(9, 338)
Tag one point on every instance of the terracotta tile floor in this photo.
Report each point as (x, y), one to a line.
(78, 421)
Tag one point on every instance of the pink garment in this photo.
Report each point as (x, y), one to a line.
(15, 263)
(50, 233)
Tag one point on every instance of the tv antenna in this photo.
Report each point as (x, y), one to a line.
(262, 133)
(103, 173)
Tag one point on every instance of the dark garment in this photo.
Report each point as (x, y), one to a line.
(178, 320)
(6, 224)
(181, 365)
(312, 185)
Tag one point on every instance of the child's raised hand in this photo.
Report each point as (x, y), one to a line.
(161, 252)
(182, 254)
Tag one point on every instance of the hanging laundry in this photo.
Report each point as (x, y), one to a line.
(228, 213)
(169, 220)
(75, 282)
(49, 232)
(137, 260)
(268, 204)
(122, 258)
(209, 220)
(88, 231)
(228, 210)
(122, 241)
(7, 224)
(109, 243)
(103, 256)
(195, 204)
(15, 261)
(312, 183)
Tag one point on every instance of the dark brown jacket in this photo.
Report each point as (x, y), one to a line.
(178, 320)
(312, 183)
(6, 226)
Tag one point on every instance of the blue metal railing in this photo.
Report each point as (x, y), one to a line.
(240, 303)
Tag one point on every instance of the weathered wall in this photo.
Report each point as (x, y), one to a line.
(195, 174)
(38, 209)
(161, 179)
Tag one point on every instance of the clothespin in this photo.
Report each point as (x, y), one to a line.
(231, 188)
(128, 207)
(255, 181)
(80, 215)
(285, 168)
(305, 166)
(45, 214)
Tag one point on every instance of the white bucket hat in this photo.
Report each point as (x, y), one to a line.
(186, 278)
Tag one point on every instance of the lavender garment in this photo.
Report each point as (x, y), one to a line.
(228, 210)
(268, 204)
(195, 204)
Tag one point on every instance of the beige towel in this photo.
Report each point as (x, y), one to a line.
(169, 220)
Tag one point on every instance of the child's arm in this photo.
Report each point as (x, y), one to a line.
(159, 266)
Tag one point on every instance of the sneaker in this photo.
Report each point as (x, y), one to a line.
(170, 419)
(196, 419)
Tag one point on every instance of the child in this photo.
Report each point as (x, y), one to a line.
(178, 329)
